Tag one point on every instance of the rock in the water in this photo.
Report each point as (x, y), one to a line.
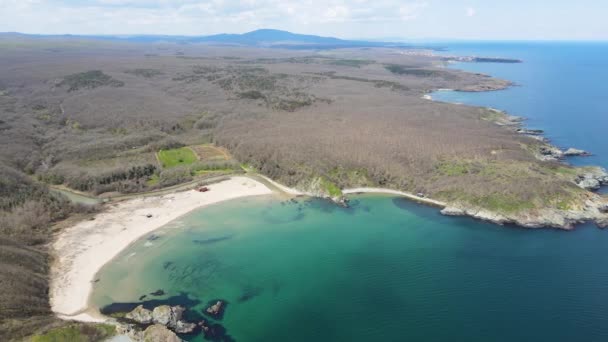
(603, 209)
(158, 292)
(167, 315)
(182, 327)
(576, 152)
(204, 326)
(216, 309)
(341, 201)
(140, 315)
(530, 131)
(159, 333)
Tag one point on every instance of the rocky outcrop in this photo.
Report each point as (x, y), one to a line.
(530, 131)
(592, 178)
(164, 315)
(167, 315)
(159, 333)
(549, 152)
(572, 152)
(476, 213)
(453, 211)
(182, 327)
(216, 309)
(140, 315)
(594, 209)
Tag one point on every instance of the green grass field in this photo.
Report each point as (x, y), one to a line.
(176, 157)
(77, 333)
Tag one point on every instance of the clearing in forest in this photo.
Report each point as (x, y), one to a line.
(176, 157)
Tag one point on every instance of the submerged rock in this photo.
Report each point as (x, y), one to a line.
(341, 201)
(158, 292)
(140, 315)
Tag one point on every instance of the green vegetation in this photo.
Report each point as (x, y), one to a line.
(496, 202)
(153, 180)
(331, 188)
(377, 83)
(89, 79)
(414, 71)
(77, 333)
(453, 168)
(176, 157)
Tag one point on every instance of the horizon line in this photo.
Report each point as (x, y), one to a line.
(377, 39)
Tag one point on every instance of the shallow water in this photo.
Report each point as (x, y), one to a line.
(386, 269)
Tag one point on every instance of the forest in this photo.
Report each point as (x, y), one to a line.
(351, 117)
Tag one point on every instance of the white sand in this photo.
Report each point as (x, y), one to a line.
(395, 192)
(282, 187)
(83, 249)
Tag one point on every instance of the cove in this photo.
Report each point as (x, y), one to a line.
(385, 269)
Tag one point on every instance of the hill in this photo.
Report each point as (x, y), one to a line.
(257, 38)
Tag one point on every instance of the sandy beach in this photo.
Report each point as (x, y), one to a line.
(411, 196)
(84, 248)
(81, 250)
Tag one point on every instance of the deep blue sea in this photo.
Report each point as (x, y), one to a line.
(562, 88)
(387, 269)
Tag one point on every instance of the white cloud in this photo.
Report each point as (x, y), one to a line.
(471, 12)
(411, 11)
(194, 17)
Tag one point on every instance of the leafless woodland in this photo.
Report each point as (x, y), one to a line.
(77, 112)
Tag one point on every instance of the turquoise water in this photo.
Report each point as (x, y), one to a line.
(388, 269)
(384, 270)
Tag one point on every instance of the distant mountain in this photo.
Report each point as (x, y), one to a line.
(270, 37)
(261, 38)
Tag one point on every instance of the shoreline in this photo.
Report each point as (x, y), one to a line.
(424, 200)
(83, 249)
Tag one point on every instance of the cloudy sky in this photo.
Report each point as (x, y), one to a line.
(408, 19)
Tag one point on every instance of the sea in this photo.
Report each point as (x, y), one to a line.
(388, 269)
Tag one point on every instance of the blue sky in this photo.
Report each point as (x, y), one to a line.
(409, 19)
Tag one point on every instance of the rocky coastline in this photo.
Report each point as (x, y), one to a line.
(594, 207)
(164, 323)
